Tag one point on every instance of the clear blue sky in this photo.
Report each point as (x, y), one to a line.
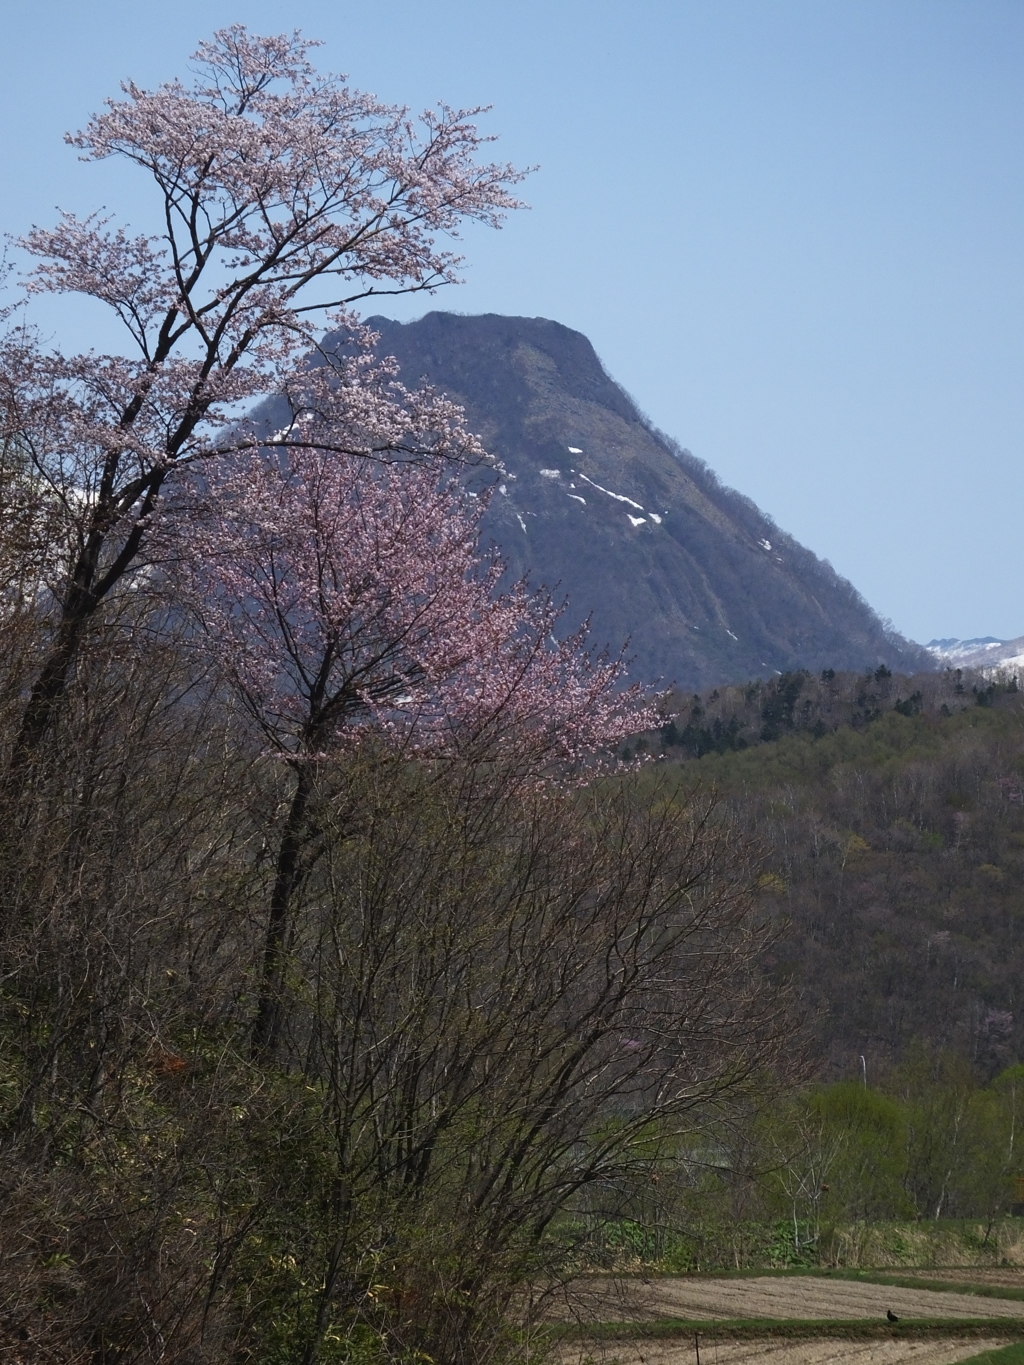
(792, 229)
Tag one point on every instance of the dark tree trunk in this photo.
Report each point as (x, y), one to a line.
(87, 589)
(44, 700)
(267, 1027)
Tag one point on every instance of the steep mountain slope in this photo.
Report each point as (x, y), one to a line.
(637, 534)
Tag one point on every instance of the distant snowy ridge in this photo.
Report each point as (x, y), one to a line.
(986, 654)
(953, 647)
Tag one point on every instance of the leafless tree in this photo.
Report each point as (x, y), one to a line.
(501, 1003)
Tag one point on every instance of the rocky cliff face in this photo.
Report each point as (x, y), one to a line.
(637, 534)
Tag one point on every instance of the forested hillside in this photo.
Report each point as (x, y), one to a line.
(891, 815)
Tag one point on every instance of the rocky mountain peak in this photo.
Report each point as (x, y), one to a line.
(638, 535)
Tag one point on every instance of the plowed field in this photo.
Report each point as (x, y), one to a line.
(821, 1351)
(608, 1299)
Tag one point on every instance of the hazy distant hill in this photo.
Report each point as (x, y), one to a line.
(638, 534)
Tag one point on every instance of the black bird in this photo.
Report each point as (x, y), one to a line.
(891, 1315)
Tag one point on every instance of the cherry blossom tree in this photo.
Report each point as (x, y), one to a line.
(282, 197)
(338, 595)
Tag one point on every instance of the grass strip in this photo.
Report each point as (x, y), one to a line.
(981, 1291)
(1004, 1355)
(740, 1328)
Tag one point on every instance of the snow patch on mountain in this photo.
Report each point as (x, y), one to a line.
(619, 497)
(952, 648)
(985, 653)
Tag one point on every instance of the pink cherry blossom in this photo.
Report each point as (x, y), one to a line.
(337, 594)
(283, 196)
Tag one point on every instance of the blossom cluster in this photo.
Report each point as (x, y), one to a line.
(283, 195)
(338, 594)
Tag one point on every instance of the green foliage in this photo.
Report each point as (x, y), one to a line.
(839, 1174)
(743, 715)
(868, 1133)
(1004, 1355)
(791, 1245)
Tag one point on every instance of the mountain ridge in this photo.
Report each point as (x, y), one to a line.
(984, 653)
(640, 536)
